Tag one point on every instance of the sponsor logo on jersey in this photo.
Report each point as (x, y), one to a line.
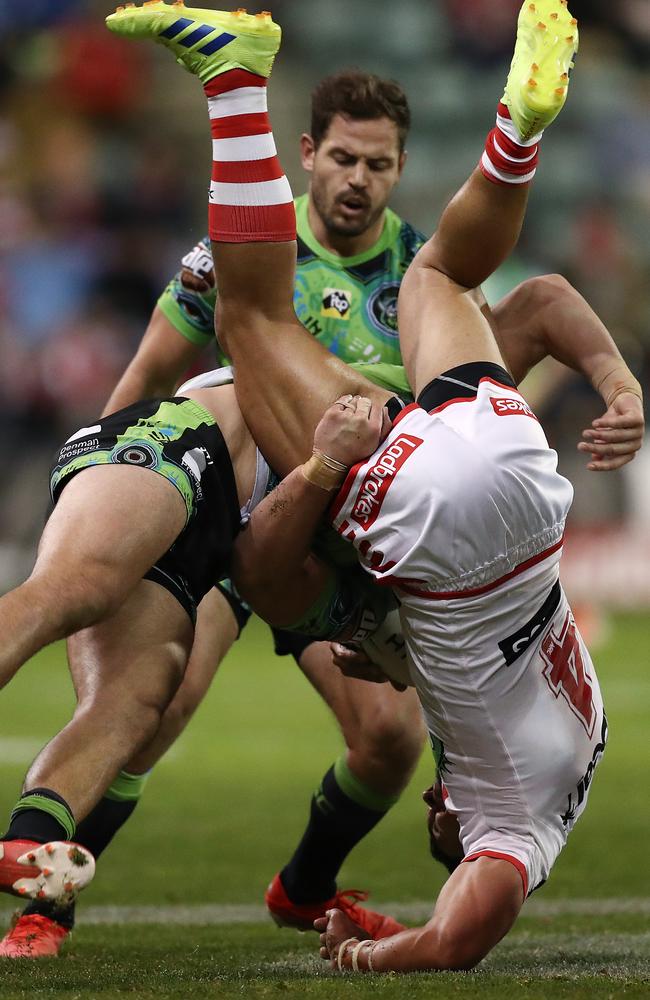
(135, 454)
(508, 407)
(378, 478)
(196, 461)
(336, 303)
(514, 645)
(70, 451)
(382, 308)
(568, 817)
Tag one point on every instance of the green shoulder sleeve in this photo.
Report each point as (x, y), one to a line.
(390, 377)
(191, 313)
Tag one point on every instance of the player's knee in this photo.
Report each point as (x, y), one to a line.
(547, 289)
(73, 598)
(181, 708)
(395, 738)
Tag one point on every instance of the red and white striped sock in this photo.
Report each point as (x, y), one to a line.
(509, 159)
(250, 197)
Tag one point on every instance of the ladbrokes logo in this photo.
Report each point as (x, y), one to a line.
(511, 408)
(378, 478)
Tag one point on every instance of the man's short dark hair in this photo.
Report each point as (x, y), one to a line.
(358, 95)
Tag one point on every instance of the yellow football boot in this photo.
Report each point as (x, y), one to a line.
(536, 89)
(205, 42)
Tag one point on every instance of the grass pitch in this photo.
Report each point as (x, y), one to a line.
(175, 909)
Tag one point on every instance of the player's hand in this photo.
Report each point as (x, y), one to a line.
(443, 826)
(350, 429)
(197, 271)
(614, 439)
(335, 928)
(357, 664)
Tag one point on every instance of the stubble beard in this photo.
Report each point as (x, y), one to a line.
(337, 226)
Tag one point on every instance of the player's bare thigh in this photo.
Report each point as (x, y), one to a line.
(441, 324)
(110, 525)
(293, 379)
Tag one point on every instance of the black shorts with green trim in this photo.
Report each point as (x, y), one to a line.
(180, 440)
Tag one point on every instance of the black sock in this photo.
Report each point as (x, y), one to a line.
(336, 824)
(95, 832)
(41, 815)
(102, 823)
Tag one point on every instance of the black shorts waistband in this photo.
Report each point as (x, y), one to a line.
(461, 382)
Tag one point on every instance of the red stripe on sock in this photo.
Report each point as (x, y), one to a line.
(247, 171)
(503, 110)
(238, 125)
(504, 165)
(511, 147)
(252, 223)
(233, 79)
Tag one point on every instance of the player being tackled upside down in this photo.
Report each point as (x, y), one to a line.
(454, 501)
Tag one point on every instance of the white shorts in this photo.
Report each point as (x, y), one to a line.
(515, 716)
(461, 510)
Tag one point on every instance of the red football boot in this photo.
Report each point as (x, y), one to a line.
(302, 915)
(33, 936)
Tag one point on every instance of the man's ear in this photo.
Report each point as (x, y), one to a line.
(402, 162)
(307, 151)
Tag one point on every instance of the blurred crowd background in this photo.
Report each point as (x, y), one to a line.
(104, 160)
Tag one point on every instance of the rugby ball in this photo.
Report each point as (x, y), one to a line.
(386, 647)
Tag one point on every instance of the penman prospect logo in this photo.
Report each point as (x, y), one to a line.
(378, 478)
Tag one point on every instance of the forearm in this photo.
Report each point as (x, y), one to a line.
(413, 950)
(137, 383)
(573, 334)
(273, 567)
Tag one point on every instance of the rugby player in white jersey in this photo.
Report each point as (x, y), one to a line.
(348, 241)
(494, 653)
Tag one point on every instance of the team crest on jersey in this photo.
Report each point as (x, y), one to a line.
(378, 478)
(336, 303)
(382, 308)
(509, 407)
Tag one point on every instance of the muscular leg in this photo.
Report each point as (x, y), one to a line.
(215, 631)
(431, 299)
(125, 670)
(255, 319)
(111, 524)
(384, 735)
(382, 728)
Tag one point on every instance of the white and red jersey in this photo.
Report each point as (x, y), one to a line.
(462, 511)
(456, 498)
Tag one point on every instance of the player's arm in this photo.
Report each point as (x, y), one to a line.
(555, 321)
(273, 567)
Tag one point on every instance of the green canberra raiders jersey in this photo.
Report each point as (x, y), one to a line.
(348, 303)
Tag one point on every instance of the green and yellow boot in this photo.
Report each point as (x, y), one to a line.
(205, 42)
(536, 89)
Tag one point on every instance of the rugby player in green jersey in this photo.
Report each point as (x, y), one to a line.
(352, 256)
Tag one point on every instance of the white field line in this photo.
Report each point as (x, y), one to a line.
(215, 913)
